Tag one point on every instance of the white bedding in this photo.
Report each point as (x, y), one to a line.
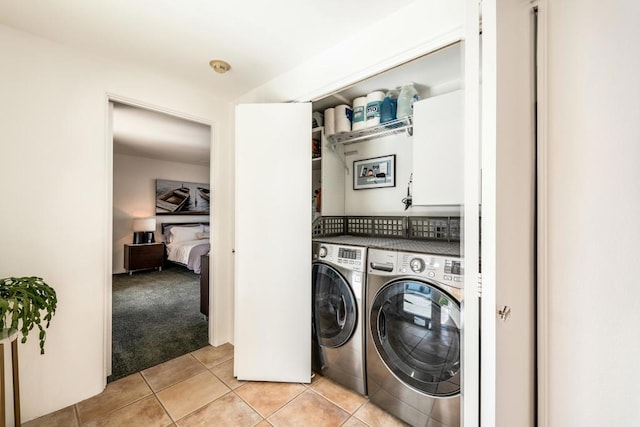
(180, 252)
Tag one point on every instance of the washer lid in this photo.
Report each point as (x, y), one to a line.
(416, 331)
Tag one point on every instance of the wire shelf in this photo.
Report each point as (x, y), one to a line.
(393, 127)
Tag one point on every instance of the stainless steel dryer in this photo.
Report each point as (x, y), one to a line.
(338, 333)
(413, 336)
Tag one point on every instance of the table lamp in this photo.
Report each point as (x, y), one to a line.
(143, 230)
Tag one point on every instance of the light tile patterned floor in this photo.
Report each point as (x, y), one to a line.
(199, 389)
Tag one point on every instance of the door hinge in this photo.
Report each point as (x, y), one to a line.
(479, 285)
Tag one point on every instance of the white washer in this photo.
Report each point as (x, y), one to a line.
(338, 331)
(413, 336)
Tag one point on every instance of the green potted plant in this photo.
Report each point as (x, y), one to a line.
(22, 301)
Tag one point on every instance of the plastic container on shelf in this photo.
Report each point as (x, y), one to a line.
(389, 106)
(317, 119)
(408, 95)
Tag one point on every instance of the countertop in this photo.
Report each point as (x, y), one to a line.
(434, 247)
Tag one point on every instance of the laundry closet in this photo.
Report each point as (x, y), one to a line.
(276, 178)
(274, 166)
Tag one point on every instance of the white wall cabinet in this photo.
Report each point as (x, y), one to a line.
(438, 150)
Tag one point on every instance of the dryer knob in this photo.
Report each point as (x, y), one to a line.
(322, 252)
(417, 265)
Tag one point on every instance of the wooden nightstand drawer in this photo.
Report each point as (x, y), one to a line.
(143, 256)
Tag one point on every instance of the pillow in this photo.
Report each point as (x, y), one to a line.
(184, 234)
(204, 235)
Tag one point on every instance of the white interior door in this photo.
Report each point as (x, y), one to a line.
(508, 205)
(273, 242)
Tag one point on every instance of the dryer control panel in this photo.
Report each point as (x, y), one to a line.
(446, 270)
(443, 269)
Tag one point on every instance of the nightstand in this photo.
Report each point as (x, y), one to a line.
(143, 256)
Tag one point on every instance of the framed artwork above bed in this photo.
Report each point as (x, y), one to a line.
(182, 198)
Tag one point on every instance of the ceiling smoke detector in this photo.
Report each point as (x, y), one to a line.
(219, 66)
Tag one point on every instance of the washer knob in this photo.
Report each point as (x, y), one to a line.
(417, 265)
(322, 252)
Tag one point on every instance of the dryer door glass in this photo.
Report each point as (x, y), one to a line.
(416, 331)
(334, 307)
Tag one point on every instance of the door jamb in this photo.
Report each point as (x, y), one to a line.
(542, 323)
(108, 220)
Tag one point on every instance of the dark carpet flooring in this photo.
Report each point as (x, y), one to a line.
(156, 317)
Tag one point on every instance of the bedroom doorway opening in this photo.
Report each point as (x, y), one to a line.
(158, 296)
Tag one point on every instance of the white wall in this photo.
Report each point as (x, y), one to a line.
(55, 166)
(412, 31)
(134, 189)
(594, 207)
(386, 201)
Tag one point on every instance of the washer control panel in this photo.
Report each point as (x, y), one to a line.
(348, 257)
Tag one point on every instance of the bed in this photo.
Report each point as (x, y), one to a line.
(186, 243)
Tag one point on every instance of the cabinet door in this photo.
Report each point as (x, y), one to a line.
(273, 242)
(438, 150)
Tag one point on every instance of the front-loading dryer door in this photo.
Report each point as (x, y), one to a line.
(415, 327)
(334, 307)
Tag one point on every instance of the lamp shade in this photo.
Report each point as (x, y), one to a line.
(144, 224)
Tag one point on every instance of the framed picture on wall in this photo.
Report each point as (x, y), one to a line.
(377, 172)
(181, 198)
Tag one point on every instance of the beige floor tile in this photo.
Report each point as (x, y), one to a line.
(146, 412)
(224, 371)
(348, 400)
(309, 409)
(315, 378)
(434, 423)
(266, 397)
(229, 410)
(64, 417)
(212, 356)
(172, 372)
(115, 396)
(264, 423)
(354, 422)
(376, 417)
(186, 396)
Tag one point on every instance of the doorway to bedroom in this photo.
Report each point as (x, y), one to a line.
(160, 242)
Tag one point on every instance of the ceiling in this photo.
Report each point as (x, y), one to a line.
(145, 133)
(260, 39)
